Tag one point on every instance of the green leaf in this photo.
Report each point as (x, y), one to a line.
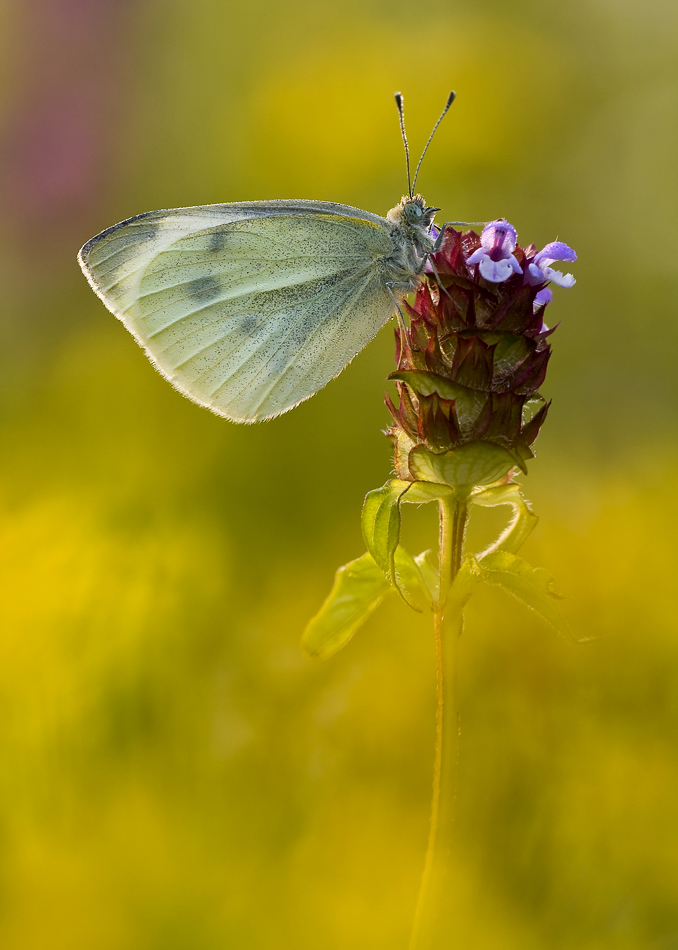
(359, 587)
(412, 578)
(531, 585)
(429, 574)
(381, 528)
(470, 573)
(523, 522)
(422, 492)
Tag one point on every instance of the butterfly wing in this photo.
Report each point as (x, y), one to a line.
(247, 309)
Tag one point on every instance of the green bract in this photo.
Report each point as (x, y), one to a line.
(465, 468)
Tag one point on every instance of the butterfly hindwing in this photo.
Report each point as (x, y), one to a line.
(247, 309)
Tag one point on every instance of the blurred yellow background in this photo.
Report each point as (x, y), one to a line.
(174, 775)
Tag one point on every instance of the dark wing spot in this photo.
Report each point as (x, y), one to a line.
(217, 240)
(204, 289)
(248, 323)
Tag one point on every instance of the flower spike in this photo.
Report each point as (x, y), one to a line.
(473, 358)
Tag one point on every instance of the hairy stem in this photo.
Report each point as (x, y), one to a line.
(431, 924)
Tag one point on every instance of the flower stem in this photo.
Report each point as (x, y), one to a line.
(431, 925)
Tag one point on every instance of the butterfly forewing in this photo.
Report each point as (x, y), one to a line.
(247, 309)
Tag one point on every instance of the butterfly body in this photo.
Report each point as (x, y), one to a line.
(249, 308)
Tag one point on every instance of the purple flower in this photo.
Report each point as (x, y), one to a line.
(495, 255)
(539, 269)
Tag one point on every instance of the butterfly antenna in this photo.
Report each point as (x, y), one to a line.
(401, 113)
(450, 99)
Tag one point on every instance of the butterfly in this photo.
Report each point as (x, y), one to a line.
(249, 308)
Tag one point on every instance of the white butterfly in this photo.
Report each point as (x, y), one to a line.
(250, 308)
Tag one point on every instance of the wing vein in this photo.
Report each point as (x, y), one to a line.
(277, 350)
(280, 376)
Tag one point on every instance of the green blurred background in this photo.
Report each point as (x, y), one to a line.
(174, 775)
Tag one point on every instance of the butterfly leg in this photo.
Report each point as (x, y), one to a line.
(441, 235)
(401, 316)
(437, 277)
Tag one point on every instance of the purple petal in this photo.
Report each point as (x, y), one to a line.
(542, 298)
(513, 261)
(555, 251)
(496, 271)
(562, 280)
(476, 257)
(499, 239)
(534, 275)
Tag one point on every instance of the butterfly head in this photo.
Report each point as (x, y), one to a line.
(413, 215)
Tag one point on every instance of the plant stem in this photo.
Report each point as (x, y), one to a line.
(430, 922)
